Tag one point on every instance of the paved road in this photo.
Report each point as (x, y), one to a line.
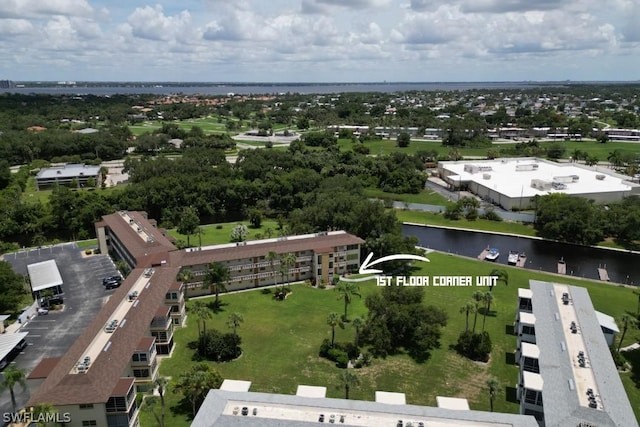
(52, 335)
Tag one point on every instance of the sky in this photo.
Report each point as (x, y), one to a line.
(319, 40)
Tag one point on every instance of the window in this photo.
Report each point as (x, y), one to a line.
(89, 423)
(533, 397)
(140, 357)
(141, 373)
(528, 330)
(86, 406)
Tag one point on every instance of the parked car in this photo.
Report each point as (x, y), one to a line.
(112, 282)
(42, 311)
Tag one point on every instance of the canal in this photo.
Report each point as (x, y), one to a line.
(543, 255)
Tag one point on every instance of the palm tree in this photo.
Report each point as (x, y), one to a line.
(488, 299)
(185, 275)
(202, 313)
(334, 320)
(149, 404)
(626, 321)
(494, 389)
(477, 297)
(346, 291)
(287, 261)
(233, 321)
(42, 409)
(217, 275)
(502, 275)
(467, 308)
(348, 380)
(195, 383)
(161, 384)
(272, 256)
(637, 309)
(12, 377)
(358, 324)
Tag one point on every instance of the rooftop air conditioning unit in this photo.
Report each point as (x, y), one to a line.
(600, 177)
(486, 176)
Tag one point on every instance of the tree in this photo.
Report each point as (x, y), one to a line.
(488, 299)
(592, 160)
(638, 308)
(348, 380)
(185, 275)
(255, 218)
(189, 221)
(149, 404)
(627, 321)
(346, 291)
(403, 139)
(502, 276)
(202, 313)
(195, 383)
(287, 261)
(272, 256)
(239, 233)
(161, 384)
(233, 321)
(469, 307)
(494, 388)
(217, 275)
(334, 320)
(477, 298)
(13, 376)
(357, 324)
(40, 410)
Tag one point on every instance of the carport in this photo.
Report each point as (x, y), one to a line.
(44, 275)
(7, 343)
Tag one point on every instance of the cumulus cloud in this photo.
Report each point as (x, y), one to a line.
(151, 23)
(13, 27)
(327, 6)
(35, 8)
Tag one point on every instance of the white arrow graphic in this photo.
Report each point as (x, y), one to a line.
(365, 270)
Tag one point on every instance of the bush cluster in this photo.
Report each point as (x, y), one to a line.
(340, 353)
(219, 347)
(475, 346)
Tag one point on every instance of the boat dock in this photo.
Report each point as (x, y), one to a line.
(484, 253)
(562, 266)
(522, 260)
(602, 272)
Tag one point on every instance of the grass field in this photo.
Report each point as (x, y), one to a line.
(426, 196)
(32, 195)
(212, 235)
(281, 341)
(207, 124)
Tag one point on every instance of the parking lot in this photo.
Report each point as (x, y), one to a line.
(52, 334)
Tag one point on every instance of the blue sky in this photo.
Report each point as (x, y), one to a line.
(319, 40)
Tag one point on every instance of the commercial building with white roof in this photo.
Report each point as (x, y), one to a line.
(512, 183)
(67, 174)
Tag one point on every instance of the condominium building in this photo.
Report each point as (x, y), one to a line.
(79, 174)
(116, 356)
(567, 375)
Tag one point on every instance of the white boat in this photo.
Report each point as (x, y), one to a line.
(513, 258)
(493, 254)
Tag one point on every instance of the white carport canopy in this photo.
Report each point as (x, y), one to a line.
(44, 275)
(9, 341)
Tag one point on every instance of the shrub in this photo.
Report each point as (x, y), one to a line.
(474, 346)
(88, 251)
(219, 227)
(219, 347)
(491, 215)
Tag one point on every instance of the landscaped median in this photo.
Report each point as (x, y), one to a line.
(281, 341)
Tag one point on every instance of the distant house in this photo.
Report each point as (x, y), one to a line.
(87, 131)
(66, 174)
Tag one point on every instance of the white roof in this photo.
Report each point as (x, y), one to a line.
(68, 171)
(235, 385)
(607, 321)
(527, 318)
(391, 398)
(530, 350)
(452, 403)
(504, 179)
(524, 293)
(311, 391)
(9, 341)
(44, 275)
(4, 317)
(532, 381)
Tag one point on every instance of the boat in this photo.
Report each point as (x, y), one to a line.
(513, 257)
(493, 254)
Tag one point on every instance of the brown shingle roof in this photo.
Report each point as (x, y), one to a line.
(315, 243)
(122, 387)
(145, 343)
(137, 246)
(43, 368)
(98, 383)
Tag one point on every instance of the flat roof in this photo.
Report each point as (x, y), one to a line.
(565, 382)
(311, 391)
(235, 385)
(68, 171)
(607, 321)
(530, 350)
(528, 318)
(455, 403)
(532, 381)
(9, 341)
(391, 398)
(225, 409)
(505, 179)
(44, 275)
(524, 293)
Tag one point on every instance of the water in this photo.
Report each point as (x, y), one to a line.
(581, 261)
(107, 88)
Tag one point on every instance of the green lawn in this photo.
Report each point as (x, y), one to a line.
(32, 195)
(281, 341)
(426, 196)
(215, 234)
(479, 224)
(207, 124)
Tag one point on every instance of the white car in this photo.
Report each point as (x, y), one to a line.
(42, 311)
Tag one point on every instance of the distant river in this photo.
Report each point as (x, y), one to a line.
(261, 88)
(581, 261)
